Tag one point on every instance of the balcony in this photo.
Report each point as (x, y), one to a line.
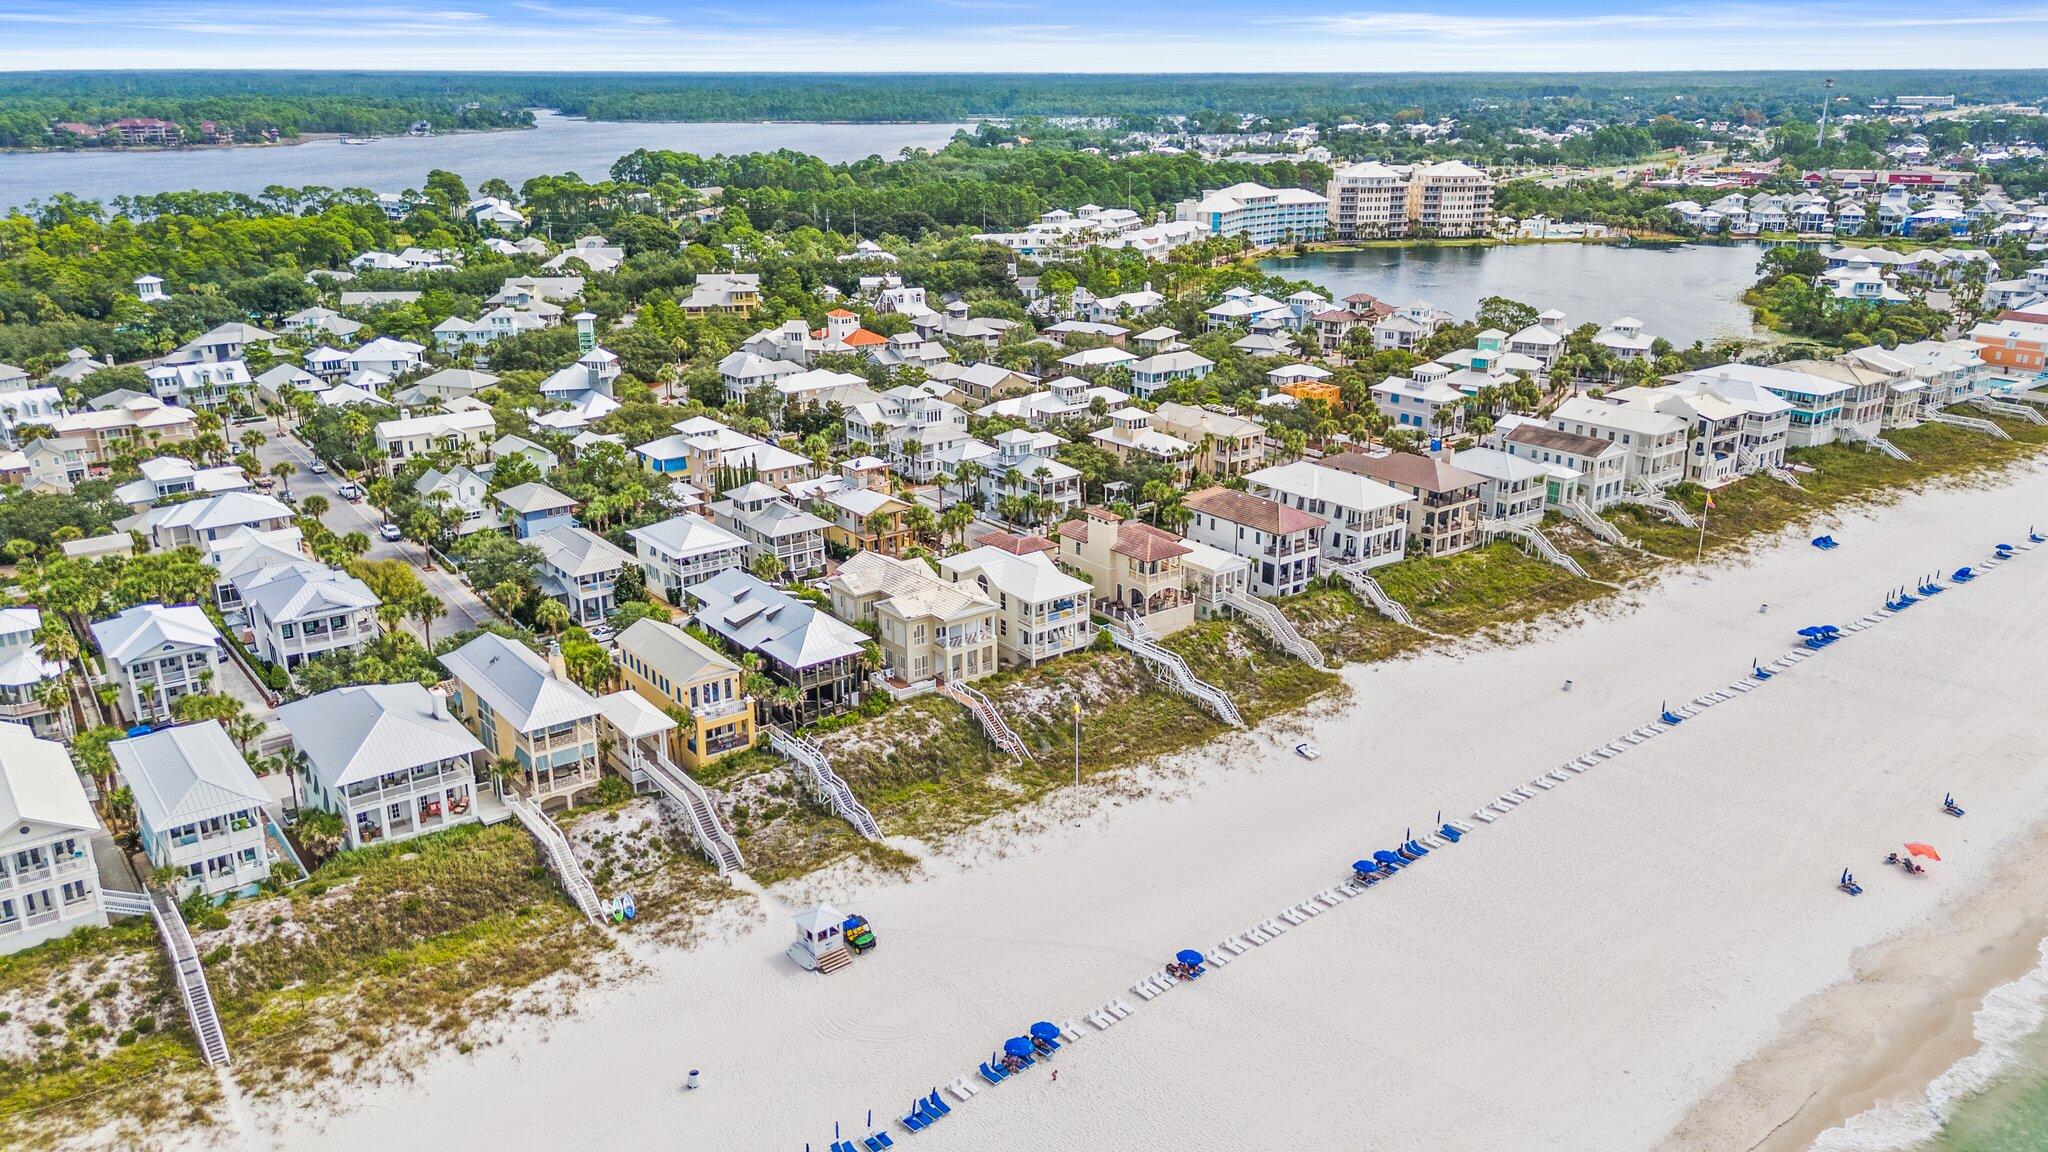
(731, 706)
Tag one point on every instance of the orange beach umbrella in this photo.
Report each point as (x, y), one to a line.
(1926, 850)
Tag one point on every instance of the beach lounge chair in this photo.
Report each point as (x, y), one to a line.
(1294, 916)
(1119, 1009)
(884, 1138)
(914, 1122)
(1460, 826)
(1144, 990)
(942, 1108)
(1274, 928)
(1101, 1020)
(1069, 1031)
(873, 1144)
(994, 1077)
(1482, 815)
(1544, 782)
(1451, 834)
(1256, 936)
(962, 1089)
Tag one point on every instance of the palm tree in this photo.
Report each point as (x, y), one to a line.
(424, 608)
(551, 615)
(314, 506)
(283, 470)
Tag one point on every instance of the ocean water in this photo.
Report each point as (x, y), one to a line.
(1993, 1100)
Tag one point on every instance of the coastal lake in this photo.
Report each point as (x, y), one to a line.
(1683, 293)
(555, 145)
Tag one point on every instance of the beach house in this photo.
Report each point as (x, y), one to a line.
(301, 610)
(688, 680)
(1581, 470)
(197, 523)
(1284, 544)
(1226, 444)
(49, 882)
(680, 552)
(865, 520)
(1134, 568)
(1653, 441)
(1443, 517)
(1424, 406)
(800, 645)
(390, 759)
(156, 654)
(24, 671)
(1511, 489)
(532, 508)
(526, 710)
(1365, 522)
(457, 432)
(198, 808)
(1766, 416)
(580, 569)
(929, 628)
(1041, 611)
(773, 527)
(1131, 438)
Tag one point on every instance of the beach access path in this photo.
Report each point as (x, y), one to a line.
(1572, 977)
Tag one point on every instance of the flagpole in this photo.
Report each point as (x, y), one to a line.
(1701, 551)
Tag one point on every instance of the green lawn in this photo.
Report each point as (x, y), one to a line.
(1348, 631)
(1487, 587)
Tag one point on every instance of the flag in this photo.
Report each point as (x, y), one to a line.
(1710, 501)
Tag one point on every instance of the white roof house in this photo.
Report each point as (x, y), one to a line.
(199, 806)
(38, 786)
(365, 731)
(147, 628)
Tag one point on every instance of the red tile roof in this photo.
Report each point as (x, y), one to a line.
(1016, 544)
(1142, 542)
(1269, 516)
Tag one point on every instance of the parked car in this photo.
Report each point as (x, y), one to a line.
(389, 531)
(351, 491)
(265, 483)
(317, 467)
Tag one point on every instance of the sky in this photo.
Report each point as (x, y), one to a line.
(1019, 35)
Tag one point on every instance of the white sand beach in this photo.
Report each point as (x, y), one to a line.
(1576, 976)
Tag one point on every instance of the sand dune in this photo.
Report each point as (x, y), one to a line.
(1573, 977)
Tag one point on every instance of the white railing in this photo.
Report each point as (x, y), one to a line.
(823, 781)
(2008, 408)
(1533, 540)
(993, 725)
(120, 903)
(1363, 583)
(190, 976)
(1750, 460)
(1174, 672)
(1591, 522)
(1973, 423)
(1656, 501)
(1855, 435)
(697, 810)
(1274, 623)
(561, 859)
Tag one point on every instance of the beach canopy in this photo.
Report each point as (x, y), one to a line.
(1365, 865)
(1017, 1046)
(1813, 630)
(1386, 857)
(1045, 1030)
(1926, 850)
(1189, 957)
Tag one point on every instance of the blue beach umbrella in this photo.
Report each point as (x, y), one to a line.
(1812, 630)
(1045, 1031)
(1364, 865)
(1189, 957)
(1017, 1046)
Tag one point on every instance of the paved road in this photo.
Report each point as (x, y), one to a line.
(460, 607)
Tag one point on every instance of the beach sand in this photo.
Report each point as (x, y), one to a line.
(1577, 976)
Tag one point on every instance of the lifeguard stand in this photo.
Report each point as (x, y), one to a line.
(820, 946)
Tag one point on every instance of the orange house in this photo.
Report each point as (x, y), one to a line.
(2020, 345)
(1322, 390)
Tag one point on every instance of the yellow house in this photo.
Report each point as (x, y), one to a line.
(679, 675)
(524, 709)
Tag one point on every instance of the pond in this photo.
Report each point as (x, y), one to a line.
(1683, 293)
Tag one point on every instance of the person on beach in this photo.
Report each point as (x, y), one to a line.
(1055, 1075)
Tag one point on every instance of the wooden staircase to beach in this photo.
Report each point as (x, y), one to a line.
(560, 858)
(824, 783)
(190, 976)
(694, 809)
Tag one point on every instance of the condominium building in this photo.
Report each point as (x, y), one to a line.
(1372, 200)
(1259, 214)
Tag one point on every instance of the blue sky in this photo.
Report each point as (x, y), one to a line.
(1018, 35)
